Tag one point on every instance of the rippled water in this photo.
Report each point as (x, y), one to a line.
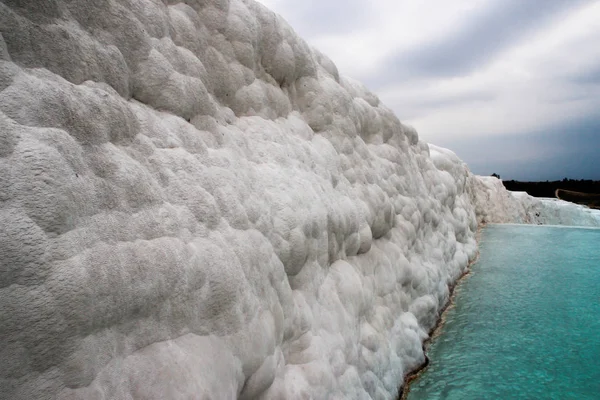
(526, 324)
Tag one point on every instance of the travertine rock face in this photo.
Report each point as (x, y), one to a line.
(195, 204)
(494, 204)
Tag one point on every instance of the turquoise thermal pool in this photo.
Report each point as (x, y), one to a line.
(526, 322)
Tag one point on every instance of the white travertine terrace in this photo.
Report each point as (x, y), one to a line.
(195, 204)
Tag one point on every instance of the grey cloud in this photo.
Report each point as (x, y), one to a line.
(589, 76)
(583, 79)
(494, 29)
(313, 18)
(470, 97)
(413, 109)
(569, 97)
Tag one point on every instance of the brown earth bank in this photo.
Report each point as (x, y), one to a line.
(591, 200)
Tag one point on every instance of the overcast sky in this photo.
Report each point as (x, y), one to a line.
(512, 86)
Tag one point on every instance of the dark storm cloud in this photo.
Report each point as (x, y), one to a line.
(571, 150)
(483, 36)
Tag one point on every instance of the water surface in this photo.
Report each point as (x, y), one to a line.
(526, 322)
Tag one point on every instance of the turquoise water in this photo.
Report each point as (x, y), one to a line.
(526, 322)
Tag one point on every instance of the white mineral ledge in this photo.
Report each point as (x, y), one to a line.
(194, 204)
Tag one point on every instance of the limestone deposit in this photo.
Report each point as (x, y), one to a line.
(196, 204)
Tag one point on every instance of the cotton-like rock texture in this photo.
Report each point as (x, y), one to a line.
(195, 204)
(493, 203)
